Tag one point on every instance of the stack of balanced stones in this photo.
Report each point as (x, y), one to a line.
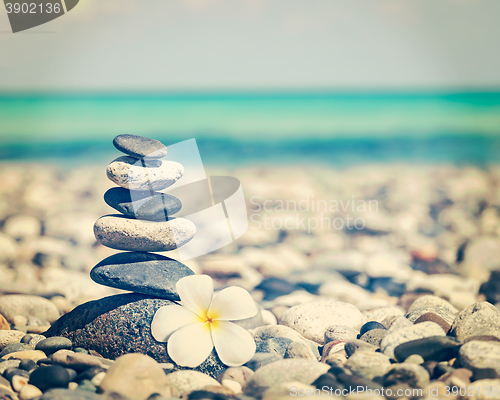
(145, 224)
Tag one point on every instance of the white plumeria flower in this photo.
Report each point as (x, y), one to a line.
(193, 329)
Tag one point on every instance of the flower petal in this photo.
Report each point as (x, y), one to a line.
(190, 345)
(231, 304)
(170, 318)
(196, 293)
(234, 345)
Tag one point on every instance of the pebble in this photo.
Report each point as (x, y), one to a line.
(46, 378)
(121, 233)
(6, 364)
(115, 318)
(129, 173)
(143, 205)
(332, 348)
(379, 314)
(476, 320)
(313, 319)
(397, 323)
(79, 361)
(414, 375)
(184, 382)
(140, 147)
(238, 374)
(18, 382)
(14, 347)
(394, 339)
(34, 355)
(260, 359)
(369, 363)
(299, 350)
(234, 386)
(29, 392)
(68, 394)
(27, 305)
(136, 376)
(98, 378)
(480, 354)
(374, 336)
(273, 346)
(275, 331)
(145, 273)
(27, 364)
(4, 325)
(369, 326)
(35, 339)
(287, 370)
(432, 301)
(53, 344)
(20, 320)
(354, 345)
(415, 359)
(437, 348)
(432, 317)
(336, 333)
(441, 312)
(9, 337)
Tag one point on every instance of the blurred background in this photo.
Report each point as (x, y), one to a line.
(392, 101)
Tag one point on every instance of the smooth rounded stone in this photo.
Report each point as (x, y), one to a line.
(152, 206)
(414, 332)
(122, 233)
(355, 345)
(136, 376)
(313, 319)
(27, 305)
(476, 320)
(35, 339)
(432, 317)
(299, 350)
(287, 390)
(436, 348)
(87, 386)
(275, 331)
(234, 386)
(332, 348)
(335, 333)
(27, 364)
(300, 370)
(483, 389)
(11, 372)
(4, 325)
(145, 273)
(374, 336)
(379, 314)
(143, 175)
(397, 324)
(69, 394)
(238, 374)
(79, 361)
(46, 378)
(184, 382)
(26, 338)
(369, 326)
(441, 312)
(273, 346)
(414, 375)
(260, 359)
(6, 364)
(29, 392)
(252, 322)
(139, 146)
(90, 373)
(118, 325)
(34, 355)
(18, 382)
(415, 359)
(429, 300)
(14, 347)
(268, 318)
(53, 344)
(98, 378)
(369, 363)
(479, 354)
(10, 337)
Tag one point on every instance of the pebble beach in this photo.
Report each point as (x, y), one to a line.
(371, 282)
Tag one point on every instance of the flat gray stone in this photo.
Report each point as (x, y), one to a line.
(122, 233)
(131, 173)
(374, 336)
(152, 206)
(479, 354)
(145, 273)
(140, 147)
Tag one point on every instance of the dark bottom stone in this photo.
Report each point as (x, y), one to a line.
(121, 324)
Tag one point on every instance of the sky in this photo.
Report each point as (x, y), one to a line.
(198, 45)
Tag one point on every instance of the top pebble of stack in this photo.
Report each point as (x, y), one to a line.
(140, 147)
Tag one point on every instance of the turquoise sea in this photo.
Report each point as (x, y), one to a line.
(249, 128)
